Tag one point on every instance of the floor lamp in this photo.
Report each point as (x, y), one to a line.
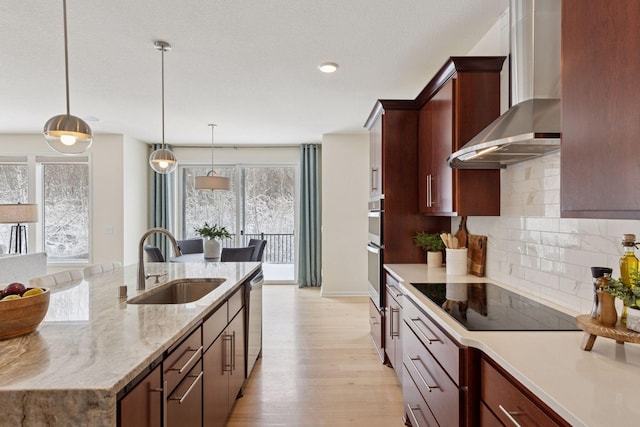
(19, 214)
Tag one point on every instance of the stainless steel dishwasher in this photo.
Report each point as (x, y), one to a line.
(254, 321)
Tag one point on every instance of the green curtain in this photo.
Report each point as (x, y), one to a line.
(309, 260)
(161, 206)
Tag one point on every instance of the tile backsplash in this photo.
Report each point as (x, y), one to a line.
(531, 248)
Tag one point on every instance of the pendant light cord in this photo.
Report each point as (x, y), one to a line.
(212, 127)
(66, 53)
(162, 49)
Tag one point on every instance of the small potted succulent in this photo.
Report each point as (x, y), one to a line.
(431, 243)
(213, 234)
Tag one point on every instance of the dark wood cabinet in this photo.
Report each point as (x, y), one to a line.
(393, 324)
(460, 101)
(184, 405)
(142, 406)
(224, 360)
(376, 328)
(393, 126)
(599, 161)
(505, 399)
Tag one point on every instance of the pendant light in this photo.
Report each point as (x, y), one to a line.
(163, 160)
(212, 181)
(65, 133)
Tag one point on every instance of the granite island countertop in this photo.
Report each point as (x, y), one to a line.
(587, 388)
(92, 343)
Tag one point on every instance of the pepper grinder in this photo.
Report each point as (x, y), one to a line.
(597, 273)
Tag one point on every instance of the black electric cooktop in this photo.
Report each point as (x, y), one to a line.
(488, 307)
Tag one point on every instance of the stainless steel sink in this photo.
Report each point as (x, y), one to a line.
(177, 292)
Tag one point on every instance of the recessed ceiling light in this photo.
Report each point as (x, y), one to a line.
(328, 67)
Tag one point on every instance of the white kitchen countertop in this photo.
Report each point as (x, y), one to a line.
(587, 388)
(92, 343)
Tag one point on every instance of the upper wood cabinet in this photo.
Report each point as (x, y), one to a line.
(459, 102)
(393, 126)
(599, 161)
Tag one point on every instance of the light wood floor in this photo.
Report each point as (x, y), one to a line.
(318, 366)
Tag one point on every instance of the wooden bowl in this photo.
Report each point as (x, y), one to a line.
(22, 316)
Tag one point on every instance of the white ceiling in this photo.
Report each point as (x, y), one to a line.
(248, 65)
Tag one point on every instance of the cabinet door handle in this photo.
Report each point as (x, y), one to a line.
(181, 399)
(429, 340)
(424, 381)
(233, 352)
(511, 415)
(374, 179)
(226, 360)
(196, 353)
(429, 190)
(394, 333)
(165, 398)
(414, 420)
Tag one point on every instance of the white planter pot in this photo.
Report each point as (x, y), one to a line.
(434, 259)
(633, 319)
(212, 248)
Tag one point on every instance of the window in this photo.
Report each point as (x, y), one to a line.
(14, 188)
(66, 211)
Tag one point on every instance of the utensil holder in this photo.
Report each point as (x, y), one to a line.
(456, 264)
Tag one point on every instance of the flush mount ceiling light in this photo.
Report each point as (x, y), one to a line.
(328, 67)
(163, 160)
(212, 181)
(65, 133)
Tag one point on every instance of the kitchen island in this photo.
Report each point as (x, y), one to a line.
(93, 343)
(596, 388)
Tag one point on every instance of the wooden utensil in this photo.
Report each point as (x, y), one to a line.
(462, 233)
(477, 254)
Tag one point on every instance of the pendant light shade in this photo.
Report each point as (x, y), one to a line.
(65, 133)
(163, 160)
(212, 181)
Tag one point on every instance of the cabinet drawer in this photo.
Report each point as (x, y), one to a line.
(508, 402)
(416, 410)
(437, 342)
(184, 405)
(236, 302)
(487, 418)
(375, 322)
(214, 325)
(435, 386)
(182, 359)
(393, 288)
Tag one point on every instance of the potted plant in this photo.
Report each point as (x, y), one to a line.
(431, 243)
(213, 234)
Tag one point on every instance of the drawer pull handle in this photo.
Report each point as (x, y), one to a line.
(424, 381)
(429, 340)
(186, 393)
(196, 353)
(374, 320)
(395, 290)
(394, 333)
(511, 415)
(414, 420)
(227, 365)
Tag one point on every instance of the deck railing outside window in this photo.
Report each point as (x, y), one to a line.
(279, 250)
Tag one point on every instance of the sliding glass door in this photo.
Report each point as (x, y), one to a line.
(260, 205)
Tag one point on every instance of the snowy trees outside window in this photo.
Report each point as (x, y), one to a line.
(14, 187)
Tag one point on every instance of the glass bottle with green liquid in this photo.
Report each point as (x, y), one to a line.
(628, 267)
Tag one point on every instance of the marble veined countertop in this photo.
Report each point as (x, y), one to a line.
(587, 388)
(92, 343)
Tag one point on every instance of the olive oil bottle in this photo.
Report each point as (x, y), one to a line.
(628, 266)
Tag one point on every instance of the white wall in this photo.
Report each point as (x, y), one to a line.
(530, 246)
(117, 176)
(345, 168)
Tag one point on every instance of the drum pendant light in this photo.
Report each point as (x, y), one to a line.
(65, 133)
(212, 181)
(163, 160)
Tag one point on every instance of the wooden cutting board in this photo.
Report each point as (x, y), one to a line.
(477, 254)
(462, 233)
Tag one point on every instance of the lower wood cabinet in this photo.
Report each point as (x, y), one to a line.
(142, 405)
(376, 328)
(197, 380)
(509, 401)
(393, 324)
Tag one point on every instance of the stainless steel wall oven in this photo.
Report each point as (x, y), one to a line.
(375, 249)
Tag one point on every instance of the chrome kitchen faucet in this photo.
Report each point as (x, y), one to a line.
(142, 277)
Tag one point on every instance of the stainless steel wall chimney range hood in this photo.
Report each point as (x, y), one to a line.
(531, 127)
